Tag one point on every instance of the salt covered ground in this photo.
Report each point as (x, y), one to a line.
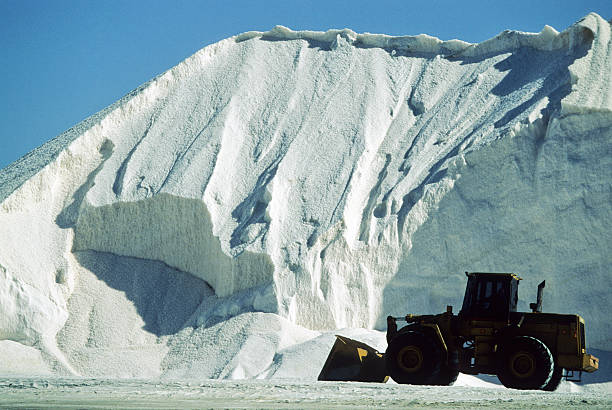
(223, 220)
(134, 393)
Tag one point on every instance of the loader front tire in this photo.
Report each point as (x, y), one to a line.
(413, 358)
(526, 364)
(446, 377)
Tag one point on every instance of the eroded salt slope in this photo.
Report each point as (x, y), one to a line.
(326, 179)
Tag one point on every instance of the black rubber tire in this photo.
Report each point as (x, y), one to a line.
(525, 364)
(446, 377)
(555, 380)
(413, 358)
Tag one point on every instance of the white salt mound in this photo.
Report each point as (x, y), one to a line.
(223, 219)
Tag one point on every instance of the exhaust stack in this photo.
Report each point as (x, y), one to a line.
(537, 307)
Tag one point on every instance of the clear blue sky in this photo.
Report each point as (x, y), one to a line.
(61, 61)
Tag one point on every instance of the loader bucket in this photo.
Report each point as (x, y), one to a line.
(350, 360)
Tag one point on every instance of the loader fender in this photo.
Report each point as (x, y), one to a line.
(432, 330)
(437, 334)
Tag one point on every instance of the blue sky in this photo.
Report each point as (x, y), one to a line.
(62, 61)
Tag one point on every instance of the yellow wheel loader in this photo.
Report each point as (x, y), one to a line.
(526, 350)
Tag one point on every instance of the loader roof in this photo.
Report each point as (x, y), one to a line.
(510, 275)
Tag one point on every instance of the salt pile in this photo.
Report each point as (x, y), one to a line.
(224, 218)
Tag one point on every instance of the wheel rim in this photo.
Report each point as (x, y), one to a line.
(410, 359)
(522, 365)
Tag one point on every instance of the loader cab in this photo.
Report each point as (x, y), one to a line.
(490, 295)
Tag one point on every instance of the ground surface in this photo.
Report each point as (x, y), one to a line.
(130, 393)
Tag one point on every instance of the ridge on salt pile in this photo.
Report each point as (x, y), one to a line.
(283, 181)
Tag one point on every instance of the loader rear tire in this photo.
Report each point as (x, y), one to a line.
(413, 358)
(526, 364)
(555, 380)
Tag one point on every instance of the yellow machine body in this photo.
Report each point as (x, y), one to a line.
(526, 350)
